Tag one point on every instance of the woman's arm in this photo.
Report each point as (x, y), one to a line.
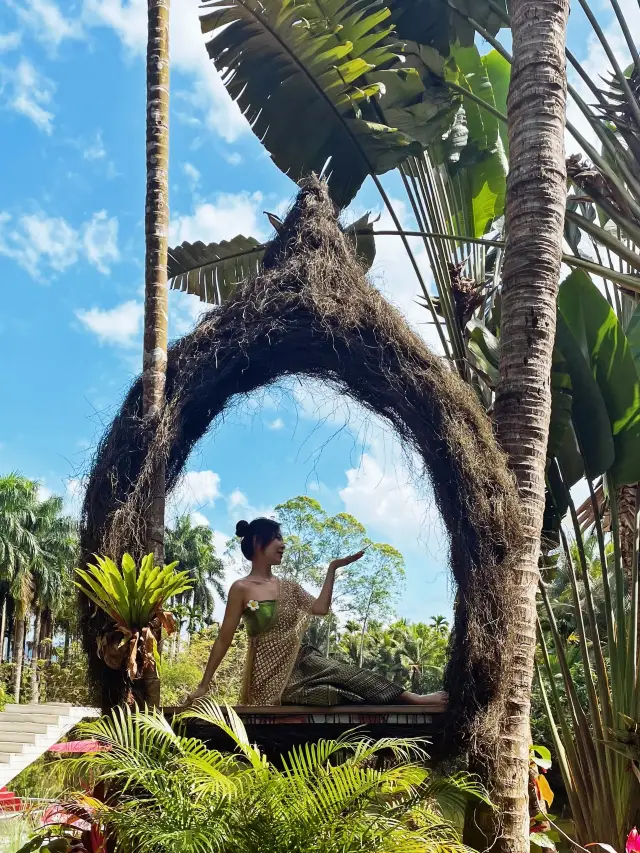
(322, 604)
(232, 614)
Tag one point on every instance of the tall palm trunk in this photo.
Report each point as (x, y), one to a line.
(67, 645)
(156, 303)
(156, 235)
(535, 206)
(3, 627)
(35, 654)
(18, 651)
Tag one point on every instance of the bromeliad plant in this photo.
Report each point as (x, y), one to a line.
(134, 598)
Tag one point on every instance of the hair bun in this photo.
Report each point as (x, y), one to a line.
(242, 528)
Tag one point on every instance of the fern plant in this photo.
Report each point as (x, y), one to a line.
(172, 793)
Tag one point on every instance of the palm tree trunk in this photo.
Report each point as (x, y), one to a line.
(3, 627)
(18, 648)
(35, 654)
(361, 649)
(67, 645)
(176, 640)
(156, 235)
(535, 206)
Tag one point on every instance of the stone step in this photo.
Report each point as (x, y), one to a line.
(63, 709)
(23, 748)
(49, 718)
(26, 726)
(24, 737)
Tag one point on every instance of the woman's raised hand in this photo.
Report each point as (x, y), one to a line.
(345, 561)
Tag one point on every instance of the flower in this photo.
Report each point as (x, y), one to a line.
(253, 605)
(633, 841)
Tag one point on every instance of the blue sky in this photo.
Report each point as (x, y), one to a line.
(72, 92)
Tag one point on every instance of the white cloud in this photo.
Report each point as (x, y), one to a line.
(231, 214)
(393, 274)
(185, 310)
(383, 498)
(196, 489)
(193, 175)
(233, 158)
(34, 240)
(199, 519)
(100, 239)
(95, 150)
(44, 492)
(120, 325)
(47, 23)
(38, 238)
(10, 41)
(278, 423)
(237, 499)
(205, 95)
(74, 488)
(26, 91)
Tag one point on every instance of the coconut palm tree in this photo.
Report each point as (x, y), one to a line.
(440, 623)
(18, 543)
(534, 226)
(50, 571)
(193, 549)
(423, 656)
(156, 232)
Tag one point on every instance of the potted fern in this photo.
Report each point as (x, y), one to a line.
(135, 600)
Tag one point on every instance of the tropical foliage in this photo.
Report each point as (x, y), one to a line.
(134, 598)
(452, 161)
(168, 792)
(37, 550)
(192, 548)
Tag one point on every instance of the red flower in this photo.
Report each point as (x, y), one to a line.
(633, 842)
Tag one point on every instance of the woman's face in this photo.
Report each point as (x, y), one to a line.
(274, 550)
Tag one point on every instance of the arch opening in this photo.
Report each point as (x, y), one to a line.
(312, 313)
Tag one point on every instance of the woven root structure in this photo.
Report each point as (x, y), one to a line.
(312, 313)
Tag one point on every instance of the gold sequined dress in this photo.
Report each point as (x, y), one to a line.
(279, 671)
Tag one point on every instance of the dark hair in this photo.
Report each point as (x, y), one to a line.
(260, 532)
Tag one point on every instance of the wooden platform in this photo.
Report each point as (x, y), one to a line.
(277, 728)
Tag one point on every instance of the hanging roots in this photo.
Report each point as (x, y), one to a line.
(312, 313)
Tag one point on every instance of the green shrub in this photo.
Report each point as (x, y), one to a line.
(347, 796)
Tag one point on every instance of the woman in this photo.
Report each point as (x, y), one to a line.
(276, 612)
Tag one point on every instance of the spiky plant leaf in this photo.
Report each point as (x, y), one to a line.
(131, 596)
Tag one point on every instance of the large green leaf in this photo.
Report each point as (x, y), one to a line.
(438, 24)
(603, 345)
(499, 73)
(633, 336)
(481, 165)
(588, 411)
(299, 73)
(467, 69)
(561, 394)
(415, 99)
(212, 271)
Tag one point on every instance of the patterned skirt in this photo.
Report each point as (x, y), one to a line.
(317, 680)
